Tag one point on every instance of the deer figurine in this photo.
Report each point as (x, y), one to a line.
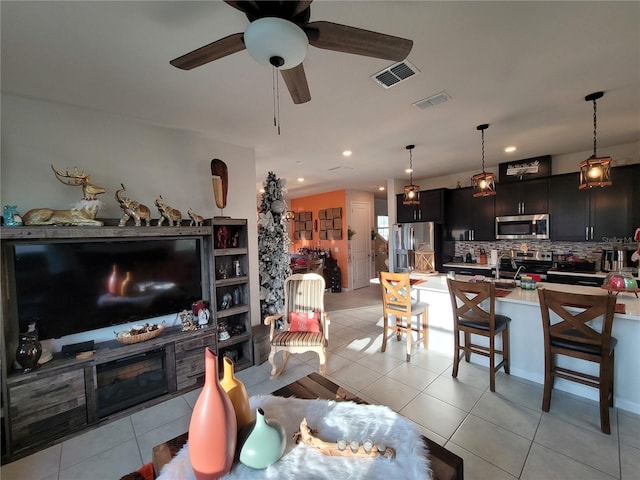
(84, 213)
(195, 218)
(132, 209)
(172, 215)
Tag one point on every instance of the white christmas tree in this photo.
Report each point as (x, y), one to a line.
(273, 246)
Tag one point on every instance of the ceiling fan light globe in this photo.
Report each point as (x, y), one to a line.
(275, 37)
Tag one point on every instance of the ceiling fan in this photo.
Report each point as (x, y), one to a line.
(279, 34)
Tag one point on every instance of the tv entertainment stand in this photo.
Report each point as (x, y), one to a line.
(67, 395)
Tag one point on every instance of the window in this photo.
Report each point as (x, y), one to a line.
(382, 222)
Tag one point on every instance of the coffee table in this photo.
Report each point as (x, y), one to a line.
(445, 464)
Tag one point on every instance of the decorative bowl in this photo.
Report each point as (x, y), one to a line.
(139, 333)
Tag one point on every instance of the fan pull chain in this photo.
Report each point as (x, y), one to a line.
(276, 98)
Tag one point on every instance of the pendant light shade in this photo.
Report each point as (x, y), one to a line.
(595, 171)
(483, 184)
(411, 191)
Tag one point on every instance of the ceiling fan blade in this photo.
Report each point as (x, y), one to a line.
(247, 7)
(296, 82)
(343, 38)
(301, 6)
(218, 49)
(290, 10)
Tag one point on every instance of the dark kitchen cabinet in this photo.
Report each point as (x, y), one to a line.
(568, 208)
(527, 197)
(596, 214)
(611, 209)
(430, 209)
(586, 280)
(468, 217)
(471, 270)
(405, 213)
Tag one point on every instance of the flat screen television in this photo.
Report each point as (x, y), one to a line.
(69, 287)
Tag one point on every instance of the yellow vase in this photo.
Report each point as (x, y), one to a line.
(237, 393)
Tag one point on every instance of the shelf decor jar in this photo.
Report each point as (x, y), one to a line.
(28, 351)
(213, 427)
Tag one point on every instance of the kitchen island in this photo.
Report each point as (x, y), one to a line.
(527, 350)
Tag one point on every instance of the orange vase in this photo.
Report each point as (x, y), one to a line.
(113, 284)
(213, 427)
(237, 393)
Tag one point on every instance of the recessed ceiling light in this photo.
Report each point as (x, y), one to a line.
(381, 188)
(300, 179)
(347, 153)
(408, 170)
(510, 149)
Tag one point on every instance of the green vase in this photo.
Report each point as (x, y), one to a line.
(265, 443)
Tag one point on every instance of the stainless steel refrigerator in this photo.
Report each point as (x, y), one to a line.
(408, 238)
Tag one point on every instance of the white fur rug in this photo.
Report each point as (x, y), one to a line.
(333, 420)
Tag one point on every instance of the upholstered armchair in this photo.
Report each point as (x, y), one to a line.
(306, 324)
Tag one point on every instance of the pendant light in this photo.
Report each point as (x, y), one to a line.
(595, 171)
(483, 184)
(411, 191)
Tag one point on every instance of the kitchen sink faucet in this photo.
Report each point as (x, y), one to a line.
(497, 273)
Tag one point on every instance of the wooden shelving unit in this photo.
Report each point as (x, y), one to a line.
(232, 306)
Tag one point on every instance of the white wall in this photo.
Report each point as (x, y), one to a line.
(150, 160)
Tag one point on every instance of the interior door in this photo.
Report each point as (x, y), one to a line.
(361, 244)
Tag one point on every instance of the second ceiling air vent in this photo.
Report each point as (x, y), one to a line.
(396, 73)
(433, 100)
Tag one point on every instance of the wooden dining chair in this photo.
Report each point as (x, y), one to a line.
(306, 324)
(470, 318)
(573, 332)
(397, 302)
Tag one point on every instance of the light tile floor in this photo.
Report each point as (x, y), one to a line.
(501, 435)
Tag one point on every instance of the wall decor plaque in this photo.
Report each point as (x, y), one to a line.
(535, 167)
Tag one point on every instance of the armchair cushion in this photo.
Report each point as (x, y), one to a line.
(297, 339)
(304, 321)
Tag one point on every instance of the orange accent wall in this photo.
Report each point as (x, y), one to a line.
(313, 204)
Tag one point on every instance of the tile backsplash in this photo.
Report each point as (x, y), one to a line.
(587, 250)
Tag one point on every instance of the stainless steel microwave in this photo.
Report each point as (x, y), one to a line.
(522, 227)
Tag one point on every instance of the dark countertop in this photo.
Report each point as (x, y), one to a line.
(485, 266)
(578, 274)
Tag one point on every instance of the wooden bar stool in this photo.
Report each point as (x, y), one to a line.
(571, 336)
(397, 301)
(471, 319)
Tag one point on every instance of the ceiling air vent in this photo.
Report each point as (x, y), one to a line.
(436, 99)
(395, 74)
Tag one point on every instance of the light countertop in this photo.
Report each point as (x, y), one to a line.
(438, 284)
